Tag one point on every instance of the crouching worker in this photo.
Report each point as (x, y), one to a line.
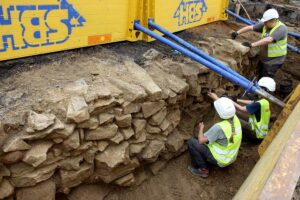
(219, 145)
(257, 126)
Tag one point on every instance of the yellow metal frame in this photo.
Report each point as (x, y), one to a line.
(31, 27)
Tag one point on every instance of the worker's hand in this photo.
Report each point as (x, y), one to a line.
(234, 35)
(247, 44)
(201, 126)
(213, 95)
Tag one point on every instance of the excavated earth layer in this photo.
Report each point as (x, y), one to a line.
(84, 124)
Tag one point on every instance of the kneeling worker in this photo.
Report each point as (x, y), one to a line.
(258, 111)
(218, 146)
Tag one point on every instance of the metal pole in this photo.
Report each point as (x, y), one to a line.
(193, 49)
(246, 85)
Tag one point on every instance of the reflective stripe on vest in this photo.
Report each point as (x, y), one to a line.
(279, 48)
(226, 155)
(261, 128)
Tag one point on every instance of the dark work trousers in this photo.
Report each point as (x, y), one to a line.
(201, 156)
(249, 135)
(267, 70)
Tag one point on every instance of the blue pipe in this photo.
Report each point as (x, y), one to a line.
(194, 49)
(247, 85)
(297, 35)
(250, 22)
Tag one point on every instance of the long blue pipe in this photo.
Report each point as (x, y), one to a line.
(194, 49)
(245, 84)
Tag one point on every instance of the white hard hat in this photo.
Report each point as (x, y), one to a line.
(268, 83)
(270, 14)
(225, 108)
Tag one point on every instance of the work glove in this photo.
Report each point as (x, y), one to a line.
(234, 35)
(247, 44)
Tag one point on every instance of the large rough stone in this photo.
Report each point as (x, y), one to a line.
(72, 142)
(89, 192)
(127, 132)
(78, 110)
(129, 108)
(141, 77)
(38, 153)
(98, 91)
(137, 148)
(152, 151)
(78, 88)
(6, 189)
(15, 143)
(25, 177)
(108, 175)
(113, 155)
(150, 108)
(175, 141)
(126, 181)
(165, 125)
(92, 123)
(103, 132)
(101, 104)
(12, 157)
(132, 92)
(72, 163)
(237, 45)
(152, 129)
(71, 179)
(102, 145)
(4, 172)
(62, 133)
(177, 85)
(105, 118)
(45, 190)
(158, 118)
(124, 120)
(139, 126)
(38, 122)
(174, 117)
(117, 138)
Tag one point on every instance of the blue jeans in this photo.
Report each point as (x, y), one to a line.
(201, 156)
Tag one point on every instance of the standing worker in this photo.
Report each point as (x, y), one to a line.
(258, 111)
(273, 43)
(219, 145)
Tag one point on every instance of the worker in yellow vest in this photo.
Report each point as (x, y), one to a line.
(219, 145)
(273, 43)
(259, 113)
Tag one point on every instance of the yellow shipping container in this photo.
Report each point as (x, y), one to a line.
(31, 27)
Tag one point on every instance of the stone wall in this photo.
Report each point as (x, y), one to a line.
(117, 128)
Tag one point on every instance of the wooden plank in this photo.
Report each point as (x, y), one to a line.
(293, 100)
(255, 182)
(284, 177)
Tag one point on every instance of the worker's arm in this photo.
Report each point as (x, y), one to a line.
(263, 41)
(202, 139)
(240, 108)
(245, 30)
(243, 101)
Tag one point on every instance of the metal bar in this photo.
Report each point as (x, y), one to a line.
(194, 49)
(245, 84)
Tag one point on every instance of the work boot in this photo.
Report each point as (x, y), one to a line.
(202, 172)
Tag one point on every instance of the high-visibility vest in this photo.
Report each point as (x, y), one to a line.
(225, 155)
(261, 128)
(278, 48)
